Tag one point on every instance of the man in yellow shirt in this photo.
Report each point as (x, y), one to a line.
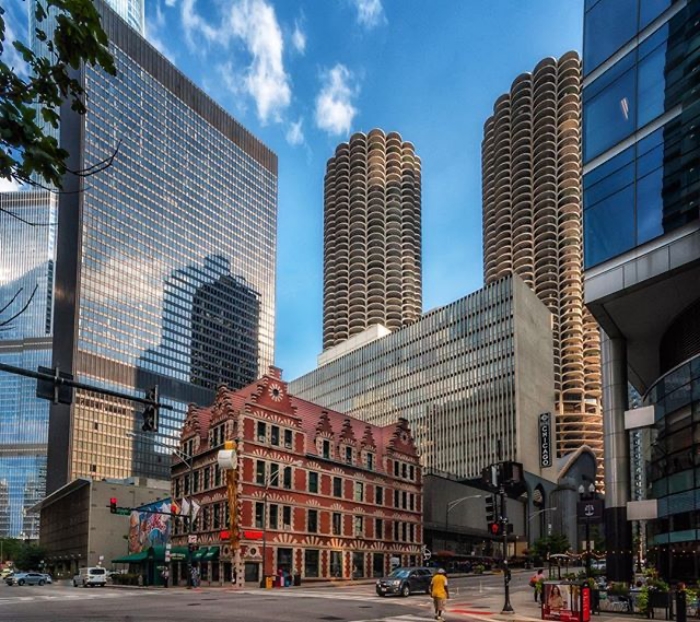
(439, 592)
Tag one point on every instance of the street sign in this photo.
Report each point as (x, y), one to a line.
(590, 510)
(426, 553)
(123, 512)
(545, 440)
(192, 538)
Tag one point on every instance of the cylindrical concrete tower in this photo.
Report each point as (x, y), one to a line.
(531, 167)
(372, 236)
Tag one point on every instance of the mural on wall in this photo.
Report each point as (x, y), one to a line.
(149, 525)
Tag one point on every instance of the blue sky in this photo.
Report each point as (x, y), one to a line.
(303, 75)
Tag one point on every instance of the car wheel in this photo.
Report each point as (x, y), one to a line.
(75, 583)
(42, 582)
(405, 590)
(20, 582)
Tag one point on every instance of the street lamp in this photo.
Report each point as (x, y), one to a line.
(269, 481)
(451, 506)
(587, 493)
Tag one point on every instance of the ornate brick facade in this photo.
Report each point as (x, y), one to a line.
(334, 497)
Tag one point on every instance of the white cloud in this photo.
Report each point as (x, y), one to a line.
(170, 3)
(13, 59)
(295, 133)
(266, 81)
(193, 23)
(154, 29)
(8, 185)
(370, 13)
(254, 24)
(334, 109)
(298, 38)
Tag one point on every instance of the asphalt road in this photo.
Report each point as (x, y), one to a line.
(343, 603)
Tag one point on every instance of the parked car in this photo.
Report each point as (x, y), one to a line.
(405, 581)
(89, 577)
(8, 578)
(28, 578)
(48, 577)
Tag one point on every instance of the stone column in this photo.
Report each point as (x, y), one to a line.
(618, 530)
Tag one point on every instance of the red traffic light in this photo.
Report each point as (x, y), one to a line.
(495, 529)
(113, 505)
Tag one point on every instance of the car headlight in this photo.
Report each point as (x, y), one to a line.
(396, 582)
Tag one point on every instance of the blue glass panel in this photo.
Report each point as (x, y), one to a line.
(651, 86)
(609, 117)
(627, 62)
(608, 26)
(609, 227)
(649, 10)
(650, 161)
(653, 140)
(612, 165)
(650, 207)
(611, 184)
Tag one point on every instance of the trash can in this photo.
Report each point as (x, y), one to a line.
(297, 580)
(268, 582)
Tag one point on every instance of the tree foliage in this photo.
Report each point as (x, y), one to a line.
(31, 95)
(550, 545)
(30, 557)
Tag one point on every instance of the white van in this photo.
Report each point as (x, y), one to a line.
(90, 577)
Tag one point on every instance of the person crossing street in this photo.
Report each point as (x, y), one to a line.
(439, 592)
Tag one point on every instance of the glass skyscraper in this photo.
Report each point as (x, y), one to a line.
(164, 265)
(642, 257)
(27, 265)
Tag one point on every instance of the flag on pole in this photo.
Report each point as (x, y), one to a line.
(195, 509)
(184, 507)
(174, 507)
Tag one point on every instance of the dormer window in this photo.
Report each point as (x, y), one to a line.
(326, 449)
(348, 455)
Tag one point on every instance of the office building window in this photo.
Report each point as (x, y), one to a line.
(273, 519)
(608, 25)
(359, 491)
(358, 526)
(337, 521)
(312, 522)
(379, 495)
(311, 563)
(274, 474)
(378, 529)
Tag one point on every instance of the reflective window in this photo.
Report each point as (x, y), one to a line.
(651, 88)
(609, 227)
(609, 116)
(650, 207)
(608, 25)
(649, 10)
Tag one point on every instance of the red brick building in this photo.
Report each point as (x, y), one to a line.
(333, 496)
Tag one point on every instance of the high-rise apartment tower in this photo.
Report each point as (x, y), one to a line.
(531, 161)
(372, 236)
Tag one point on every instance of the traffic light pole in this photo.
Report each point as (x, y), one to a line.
(507, 607)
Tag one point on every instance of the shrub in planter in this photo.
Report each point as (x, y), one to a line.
(479, 569)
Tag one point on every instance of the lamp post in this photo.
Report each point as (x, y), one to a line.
(586, 493)
(451, 506)
(269, 481)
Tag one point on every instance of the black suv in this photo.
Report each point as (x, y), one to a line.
(405, 581)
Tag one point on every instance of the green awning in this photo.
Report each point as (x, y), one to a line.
(135, 558)
(199, 554)
(211, 555)
(157, 553)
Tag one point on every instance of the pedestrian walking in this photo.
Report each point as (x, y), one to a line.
(166, 577)
(439, 592)
(536, 583)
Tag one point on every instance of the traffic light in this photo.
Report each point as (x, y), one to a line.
(490, 509)
(150, 413)
(113, 505)
(496, 528)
